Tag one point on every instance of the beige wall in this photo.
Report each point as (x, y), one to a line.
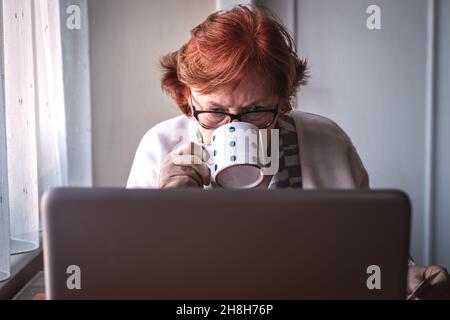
(127, 38)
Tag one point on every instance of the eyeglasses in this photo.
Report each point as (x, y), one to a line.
(262, 117)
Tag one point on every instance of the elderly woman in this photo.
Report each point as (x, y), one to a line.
(241, 65)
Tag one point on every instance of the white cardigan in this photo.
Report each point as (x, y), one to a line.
(328, 158)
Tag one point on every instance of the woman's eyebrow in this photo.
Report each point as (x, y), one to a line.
(214, 104)
(218, 105)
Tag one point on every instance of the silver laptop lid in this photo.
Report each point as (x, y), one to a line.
(225, 244)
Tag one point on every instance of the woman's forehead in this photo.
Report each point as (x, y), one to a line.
(249, 91)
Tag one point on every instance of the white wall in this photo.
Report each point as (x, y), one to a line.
(127, 38)
(441, 225)
(374, 84)
(228, 4)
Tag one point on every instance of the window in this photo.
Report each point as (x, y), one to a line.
(44, 138)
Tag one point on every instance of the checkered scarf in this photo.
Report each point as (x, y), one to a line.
(289, 172)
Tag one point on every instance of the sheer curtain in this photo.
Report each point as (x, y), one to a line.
(44, 131)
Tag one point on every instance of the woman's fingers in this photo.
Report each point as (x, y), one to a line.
(180, 182)
(431, 282)
(187, 149)
(438, 286)
(194, 163)
(415, 277)
(180, 175)
(185, 167)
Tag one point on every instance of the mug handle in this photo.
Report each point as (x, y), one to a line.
(209, 150)
(211, 163)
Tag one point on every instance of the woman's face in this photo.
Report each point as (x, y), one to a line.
(250, 92)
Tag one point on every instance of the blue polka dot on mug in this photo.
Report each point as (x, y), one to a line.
(232, 129)
(233, 144)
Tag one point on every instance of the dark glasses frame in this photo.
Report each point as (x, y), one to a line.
(232, 117)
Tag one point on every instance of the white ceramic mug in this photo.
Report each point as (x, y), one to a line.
(234, 156)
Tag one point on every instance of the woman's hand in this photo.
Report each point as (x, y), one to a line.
(431, 282)
(185, 167)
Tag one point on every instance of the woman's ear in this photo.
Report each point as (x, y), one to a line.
(284, 107)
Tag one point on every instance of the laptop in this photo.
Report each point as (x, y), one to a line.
(105, 243)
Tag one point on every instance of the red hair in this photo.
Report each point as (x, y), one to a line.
(225, 48)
